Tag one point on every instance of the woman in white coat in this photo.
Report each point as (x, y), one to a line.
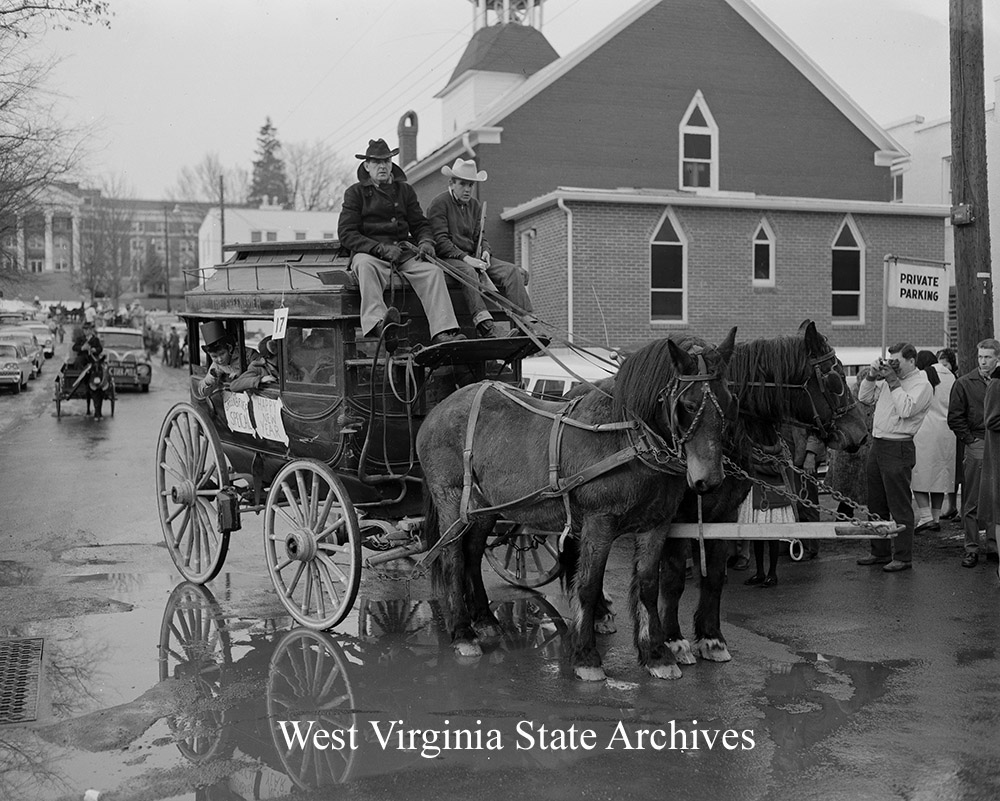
(934, 471)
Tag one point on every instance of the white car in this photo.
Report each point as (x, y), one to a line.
(11, 333)
(45, 337)
(15, 365)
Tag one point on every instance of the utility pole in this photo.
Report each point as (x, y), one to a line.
(166, 254)
(222, 220)
(970, 214)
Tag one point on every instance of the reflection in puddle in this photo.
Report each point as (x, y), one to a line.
(810, 700)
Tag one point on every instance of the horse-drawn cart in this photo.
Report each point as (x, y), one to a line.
(325, 453)
(73, 382)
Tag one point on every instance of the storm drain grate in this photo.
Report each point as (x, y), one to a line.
(20, 670)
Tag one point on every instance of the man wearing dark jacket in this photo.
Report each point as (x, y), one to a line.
(379, 215)
(456, 222)
(87, 349)
(965, 418)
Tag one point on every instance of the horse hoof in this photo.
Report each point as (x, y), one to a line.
(590, 673)
(713, 650)
(489, 631)
(664, 671)
(605, 625)
(468, 649)
(681, 649)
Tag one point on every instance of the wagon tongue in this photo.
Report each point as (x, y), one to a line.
(470, 351)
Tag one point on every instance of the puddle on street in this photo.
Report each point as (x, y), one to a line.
(17, 574)
(229, 704)
(808, 701)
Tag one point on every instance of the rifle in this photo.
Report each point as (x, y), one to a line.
(482, 225)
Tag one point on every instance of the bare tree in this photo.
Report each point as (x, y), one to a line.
(106, 264)
(317, 176)
(200, 183)
(36, 148)
(26, 18)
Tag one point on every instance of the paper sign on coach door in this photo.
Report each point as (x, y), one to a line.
(917, 286)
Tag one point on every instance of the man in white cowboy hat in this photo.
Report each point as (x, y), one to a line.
(380, 213)
(456, 221)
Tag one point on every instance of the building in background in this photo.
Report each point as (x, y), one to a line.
(264, 224)
(687, 169)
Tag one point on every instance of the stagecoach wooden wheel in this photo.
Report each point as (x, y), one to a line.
(312, 543)
(523, 557)
(308, 681)
(190, 470)
(196, 650)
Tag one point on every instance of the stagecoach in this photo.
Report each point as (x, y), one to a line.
(326, 453)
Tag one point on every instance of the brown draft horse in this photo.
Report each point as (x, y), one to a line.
(791, 379)
(673, 396)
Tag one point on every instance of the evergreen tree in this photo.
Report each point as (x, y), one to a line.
(269, 178)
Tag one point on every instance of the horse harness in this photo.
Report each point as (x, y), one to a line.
(833, 396)
(644, 444)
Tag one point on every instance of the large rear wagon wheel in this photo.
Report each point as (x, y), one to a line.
(312, 544)
(523, 557)
(190, 470)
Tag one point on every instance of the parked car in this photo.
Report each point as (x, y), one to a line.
(41, 330)
(126, 356)
(15, 365)
(549, 379)
(10, 333)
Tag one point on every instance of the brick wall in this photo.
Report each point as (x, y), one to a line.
(611, 272)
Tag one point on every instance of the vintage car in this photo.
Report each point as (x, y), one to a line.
(15, 365)
(126, 357)
(45, 336)
(12, 333)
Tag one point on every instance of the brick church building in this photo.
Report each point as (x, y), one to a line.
(688, 169)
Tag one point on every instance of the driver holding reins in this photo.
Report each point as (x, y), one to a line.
(87, 347)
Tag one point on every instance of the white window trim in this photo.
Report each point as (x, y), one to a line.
(862, 268)
(899, 173)
(769, 232)
(698, 101)
(669, 213)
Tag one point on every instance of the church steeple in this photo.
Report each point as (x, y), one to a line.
(520, 12)
(507, 47)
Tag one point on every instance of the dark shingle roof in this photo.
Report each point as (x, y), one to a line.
(506, 48)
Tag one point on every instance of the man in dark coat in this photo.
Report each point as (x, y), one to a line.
(989, 496)
(965, 418)
(456, 222)
(379, 215)
(87, 347)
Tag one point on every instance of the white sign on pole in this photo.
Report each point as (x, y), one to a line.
(918, 286)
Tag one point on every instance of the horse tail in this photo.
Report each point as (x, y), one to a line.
(443, 567)
(569, 561)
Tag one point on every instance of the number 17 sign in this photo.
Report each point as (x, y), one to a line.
(280, 323)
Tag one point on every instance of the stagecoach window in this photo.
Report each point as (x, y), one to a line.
(847, 267)
(699, 147)
(667, 272)
(312, 357)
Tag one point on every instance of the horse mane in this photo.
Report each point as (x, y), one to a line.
(644, 375)
(780, 360)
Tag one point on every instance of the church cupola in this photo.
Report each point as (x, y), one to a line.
(507, 47)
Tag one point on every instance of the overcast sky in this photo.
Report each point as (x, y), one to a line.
(172, 80)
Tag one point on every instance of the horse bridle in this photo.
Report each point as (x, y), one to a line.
(833, 399)
(680, 384)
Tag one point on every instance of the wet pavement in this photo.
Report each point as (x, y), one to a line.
(846, 683)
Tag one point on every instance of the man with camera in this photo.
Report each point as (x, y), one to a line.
(901, 394)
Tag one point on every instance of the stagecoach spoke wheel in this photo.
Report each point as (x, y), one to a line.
(523, 557)
(308, 682)
(190, 470)
(312, 544)
(195, 650)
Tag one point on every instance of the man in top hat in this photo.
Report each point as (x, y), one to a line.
(221, 349)
(87, 347)
(456, 222)
(380, 213)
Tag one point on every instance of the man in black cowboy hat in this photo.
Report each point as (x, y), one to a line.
(456, 222)
(221, 349)
(380, 213)
(87, 347)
